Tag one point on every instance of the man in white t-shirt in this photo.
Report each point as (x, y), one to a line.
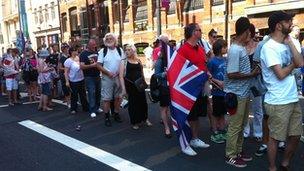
(109, 59)
(279, 57)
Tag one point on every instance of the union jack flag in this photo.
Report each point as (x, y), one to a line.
(185, 82)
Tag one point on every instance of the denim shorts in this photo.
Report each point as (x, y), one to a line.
(46, 89)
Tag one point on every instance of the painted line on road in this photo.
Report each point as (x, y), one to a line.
(86, 149)
(25, 103)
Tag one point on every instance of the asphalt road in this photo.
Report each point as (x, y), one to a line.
(24, 149)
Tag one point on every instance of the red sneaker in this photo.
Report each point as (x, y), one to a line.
(245, 157)
(236, 162)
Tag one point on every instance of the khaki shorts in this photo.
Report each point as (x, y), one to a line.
(110, 88)
(284, 120)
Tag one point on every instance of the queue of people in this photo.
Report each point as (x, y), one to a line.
(249, 76)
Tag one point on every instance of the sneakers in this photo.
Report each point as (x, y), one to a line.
(108, 122)
(73, 112)
(217, 138)
(93, 115)
(198, 143)
(261, 151)
(189, 151)
(281, 146)
(117, 118)
(244, 157)
(99, 110)
(236, 162)
(258, 139)
(148, 123)
(302, 138)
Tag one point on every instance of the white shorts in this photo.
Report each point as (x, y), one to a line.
(11, 84)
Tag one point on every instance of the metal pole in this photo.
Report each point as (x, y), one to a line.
(60, 21)
(120, 21)
(226, 20)
(158, 16)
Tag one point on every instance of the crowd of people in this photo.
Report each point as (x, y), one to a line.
(249, 76)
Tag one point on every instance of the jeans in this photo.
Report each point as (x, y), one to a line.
(93, 86)
(78, 88)
(257, 110)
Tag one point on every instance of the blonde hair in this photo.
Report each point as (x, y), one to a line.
(132, 47)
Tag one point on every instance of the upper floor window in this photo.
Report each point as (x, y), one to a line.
(190, 5)
(46, 14)
(64, 21)
(53, 13)
(217, 2)
(36, 16)
(142, 11)
(40, 15)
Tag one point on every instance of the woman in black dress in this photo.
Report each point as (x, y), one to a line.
(130, 70)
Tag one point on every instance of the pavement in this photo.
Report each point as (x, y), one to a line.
(62, 147)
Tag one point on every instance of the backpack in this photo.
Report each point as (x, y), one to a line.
(105, 51)
(154, 88)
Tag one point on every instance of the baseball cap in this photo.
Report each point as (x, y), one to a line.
(231, 103)
(277, 17)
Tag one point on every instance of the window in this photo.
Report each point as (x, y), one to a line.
(190, 5)
(142, 11)
(36, 16)
(217, 2)
(73, 19)
(40, 15)
(53, 14)
(46, 14)
(172, 8)
(64, 22)
(92, 16)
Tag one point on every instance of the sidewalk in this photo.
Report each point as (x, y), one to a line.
(148, 73)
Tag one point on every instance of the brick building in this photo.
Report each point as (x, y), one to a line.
(94, 18)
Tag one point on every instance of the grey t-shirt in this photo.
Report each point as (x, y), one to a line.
(238, 61)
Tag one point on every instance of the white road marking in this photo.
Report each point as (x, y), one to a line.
(25, 103)
(86, 149)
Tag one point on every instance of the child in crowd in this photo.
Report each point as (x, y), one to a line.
(217, 68)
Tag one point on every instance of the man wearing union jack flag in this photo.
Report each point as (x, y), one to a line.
(187, 74)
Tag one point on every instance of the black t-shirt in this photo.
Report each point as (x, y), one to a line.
(88, 58)
(62, 59)
(52, 59)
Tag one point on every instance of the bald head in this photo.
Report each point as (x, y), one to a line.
(92, 45)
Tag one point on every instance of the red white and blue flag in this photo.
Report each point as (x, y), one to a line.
(185, 82)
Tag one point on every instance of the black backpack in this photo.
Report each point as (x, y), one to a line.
(154, 89)
(105, 51)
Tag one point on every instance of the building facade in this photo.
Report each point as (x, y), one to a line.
(43, 22)
(139, 22)
(9, 23)
(73, 18)
(82, 19)
(2, 46)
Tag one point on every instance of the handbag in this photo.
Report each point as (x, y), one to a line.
(139, 83)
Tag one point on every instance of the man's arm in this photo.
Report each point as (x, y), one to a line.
(297, 57)
(241, 76)
(104, 71)
(84, 66)
(282, 73)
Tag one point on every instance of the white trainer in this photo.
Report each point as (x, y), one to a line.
(198, 143)
(189, 151)
(93, 115)
(99, 110)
